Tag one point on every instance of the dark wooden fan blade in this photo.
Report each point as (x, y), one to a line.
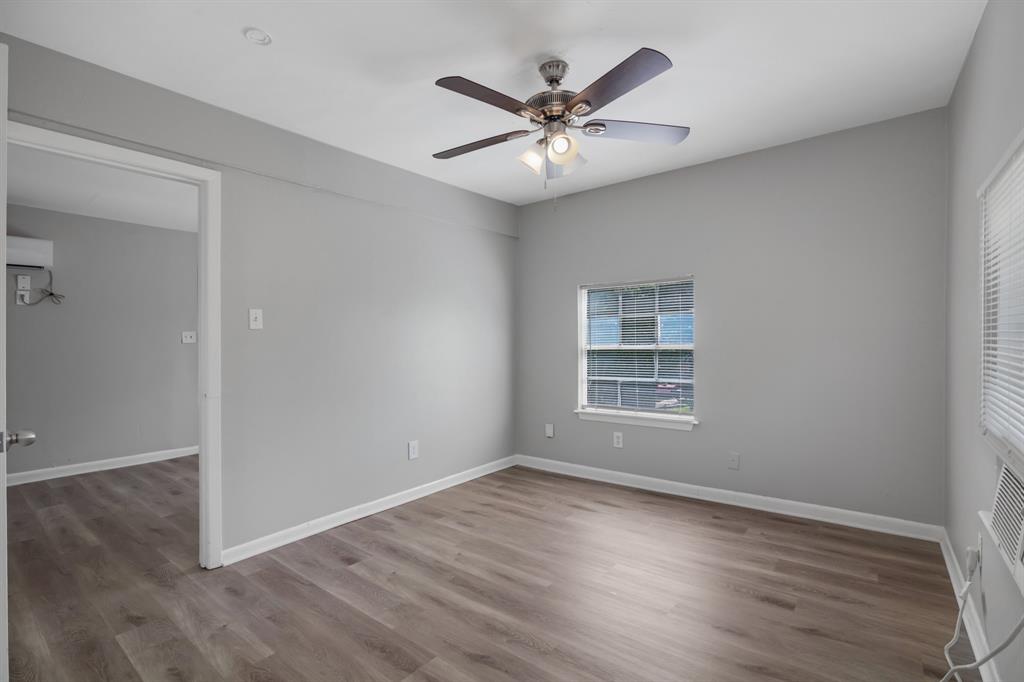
(638, 132)
(480, 144)
(634, 71)
(466, 87)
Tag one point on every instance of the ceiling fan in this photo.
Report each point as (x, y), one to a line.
(557, 111)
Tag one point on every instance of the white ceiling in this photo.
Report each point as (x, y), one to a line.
(60, 183)
(360, 75)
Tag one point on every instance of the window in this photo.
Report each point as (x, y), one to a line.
(636, 353)
(1002, 287)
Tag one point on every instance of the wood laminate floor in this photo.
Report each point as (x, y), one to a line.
(520, 575)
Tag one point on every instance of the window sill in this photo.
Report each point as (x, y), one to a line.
(1007, 453)
(678, 422)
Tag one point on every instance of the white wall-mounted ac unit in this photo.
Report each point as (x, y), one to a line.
(1005, 523)
(29, 253)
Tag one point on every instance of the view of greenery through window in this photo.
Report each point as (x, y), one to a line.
(639, 347)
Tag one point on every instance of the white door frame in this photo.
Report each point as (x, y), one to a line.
(4, 648)
(208, 182)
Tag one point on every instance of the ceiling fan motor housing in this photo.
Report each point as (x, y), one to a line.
(551, 102)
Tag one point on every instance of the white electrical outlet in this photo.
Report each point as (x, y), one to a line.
(255, 318)
(734, 461)
(24, 282)
(617, 439)
(973, 559)
(188, 337)
(414, 449)
(22, 297)
(549, 430)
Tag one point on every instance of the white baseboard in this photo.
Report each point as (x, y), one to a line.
(98, 465)
(806, 510)
(304, 530)
(972, 620)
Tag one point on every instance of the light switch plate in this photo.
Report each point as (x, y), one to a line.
(24, 282)
(549, 430)
(414, 449)
(188, 337)
(255, 318)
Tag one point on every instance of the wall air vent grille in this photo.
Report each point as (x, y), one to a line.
(1008, 513)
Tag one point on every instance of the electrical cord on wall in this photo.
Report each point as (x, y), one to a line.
(956, 670)
(973, 561)
(48, 293)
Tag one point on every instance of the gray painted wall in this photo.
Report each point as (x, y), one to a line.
(986, 114)
(104, 374)
(387, 301)
(820, 317)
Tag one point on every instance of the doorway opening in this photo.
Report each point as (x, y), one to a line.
(140, 236)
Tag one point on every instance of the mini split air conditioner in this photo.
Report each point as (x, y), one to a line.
(24, 252)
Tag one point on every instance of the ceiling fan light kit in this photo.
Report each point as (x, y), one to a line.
(561, 147)
(534, 156)
(555, 111)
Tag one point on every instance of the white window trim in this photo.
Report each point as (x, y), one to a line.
(661, 421)
(1006, 452)
(677, 422)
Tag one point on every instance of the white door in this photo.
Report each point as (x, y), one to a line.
(3, 363)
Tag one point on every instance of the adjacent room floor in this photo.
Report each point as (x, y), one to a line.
(520, 575)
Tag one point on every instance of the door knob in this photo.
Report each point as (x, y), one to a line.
(23, 438)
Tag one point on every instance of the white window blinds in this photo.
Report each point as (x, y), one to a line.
(637, 347)
(1002, 270)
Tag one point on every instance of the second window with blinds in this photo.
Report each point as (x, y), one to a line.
(1002, 287)
(636, 354)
